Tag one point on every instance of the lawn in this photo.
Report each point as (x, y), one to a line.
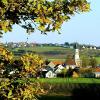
(67, 80)
(98, 60)
(68, 88)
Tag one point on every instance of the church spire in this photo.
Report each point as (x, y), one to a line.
(77, 57)
(77, 54)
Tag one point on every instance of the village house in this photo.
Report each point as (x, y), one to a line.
(48, 72)
(97, 72)
(58, 69)
(83, 47)
(56, 62)
(70, 64)
(51, 64)
(55, 67)
(51, 69)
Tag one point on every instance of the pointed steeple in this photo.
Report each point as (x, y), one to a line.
(76, 46)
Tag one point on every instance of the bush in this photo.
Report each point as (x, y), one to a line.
(87, 72)
(19, 69)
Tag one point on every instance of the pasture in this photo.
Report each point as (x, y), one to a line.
(98, 60)
(69, 88)
(55, 52)
(66, 80)
(48, 52)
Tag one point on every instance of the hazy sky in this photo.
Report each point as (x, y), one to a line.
(82, 28)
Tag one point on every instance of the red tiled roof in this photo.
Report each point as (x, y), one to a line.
(71, 62)
(97, 69)
(57, 62)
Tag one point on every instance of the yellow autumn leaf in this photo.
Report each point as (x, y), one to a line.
(41, 27)
(50, 9)
(4, 52)
(39, 6)
(48, 21)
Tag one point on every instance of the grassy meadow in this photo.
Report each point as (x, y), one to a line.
(67, 80)
(48, 52)
(98, 60)
(55, 52)
(69, 88)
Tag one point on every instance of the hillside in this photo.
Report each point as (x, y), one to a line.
(55, 52)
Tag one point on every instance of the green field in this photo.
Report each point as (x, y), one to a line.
(98, 60)
(69, 88)
(64, 80)
(55, 53)
(67, 80)
(51, 53)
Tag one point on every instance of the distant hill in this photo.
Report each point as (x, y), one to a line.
(55, 52)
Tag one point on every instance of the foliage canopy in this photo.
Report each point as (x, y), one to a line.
(44, 15)
(12, 70)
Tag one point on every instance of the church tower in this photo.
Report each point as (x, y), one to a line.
(77, 57)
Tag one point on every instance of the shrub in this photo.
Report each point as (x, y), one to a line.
(19, 69)
(86, 72)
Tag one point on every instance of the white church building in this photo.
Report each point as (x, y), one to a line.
(77, 58)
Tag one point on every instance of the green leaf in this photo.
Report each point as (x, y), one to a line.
(9, 94)
(39, 6)
(4, 1)
(50, 9)
(30, 1)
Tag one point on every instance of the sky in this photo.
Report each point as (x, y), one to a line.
(83, 28)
